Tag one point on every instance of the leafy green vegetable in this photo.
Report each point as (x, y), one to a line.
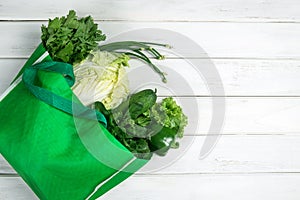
(69, 39)
(123, 128)
(102, 77)
(172, 120)
(139, 123)
(144, 126)
(170, 115)
(141, 102)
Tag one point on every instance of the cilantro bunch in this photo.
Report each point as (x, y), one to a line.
(69, 39)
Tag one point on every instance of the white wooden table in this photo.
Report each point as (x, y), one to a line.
(255, 46)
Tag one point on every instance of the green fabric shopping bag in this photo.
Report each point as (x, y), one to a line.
(59, 147)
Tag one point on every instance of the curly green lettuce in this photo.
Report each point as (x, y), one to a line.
(170, 115)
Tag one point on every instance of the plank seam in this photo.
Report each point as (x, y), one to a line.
(171, 21)
(15, 175)
(200, 58)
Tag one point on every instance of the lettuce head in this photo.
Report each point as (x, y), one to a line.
(102, 77)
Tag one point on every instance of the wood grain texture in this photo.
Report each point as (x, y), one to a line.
(15, 188)
(244, 115)
(167, 10)
(218, 40)
(239, 77)
(5, 167)
(233, 154)
(187, 187)
(254, 45)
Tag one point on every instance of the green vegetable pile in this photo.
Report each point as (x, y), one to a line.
(69, 39)
(144, 126)
(139, 122)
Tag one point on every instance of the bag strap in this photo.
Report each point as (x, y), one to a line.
(61, 103)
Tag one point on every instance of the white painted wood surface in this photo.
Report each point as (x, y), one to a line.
(233, 154)
(167, 10)
(218, 39)
(187, 187)
(255, 48)
(240, 77)
(271, 119)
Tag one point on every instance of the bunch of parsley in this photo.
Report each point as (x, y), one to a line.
(69, 39)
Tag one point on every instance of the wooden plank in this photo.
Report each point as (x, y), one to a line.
(244, 115)
(5, 167)
(234, 187)
(14, 188)
(167, 10)
(232, 154)
(239, 77)
(218, 40)
(9, 68)
(257, 156)
(177, 187)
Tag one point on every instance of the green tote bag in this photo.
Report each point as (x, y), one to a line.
(60, 148)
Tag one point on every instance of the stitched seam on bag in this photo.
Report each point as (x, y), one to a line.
(107, 180)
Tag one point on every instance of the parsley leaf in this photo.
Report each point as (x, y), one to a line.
(69, 39)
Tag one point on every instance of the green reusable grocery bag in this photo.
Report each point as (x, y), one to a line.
(60, 148)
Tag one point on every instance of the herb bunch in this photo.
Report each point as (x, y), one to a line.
(69, 39)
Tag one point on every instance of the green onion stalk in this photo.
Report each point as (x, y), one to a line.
(136, 50)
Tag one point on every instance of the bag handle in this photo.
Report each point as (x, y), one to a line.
(61, 103)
